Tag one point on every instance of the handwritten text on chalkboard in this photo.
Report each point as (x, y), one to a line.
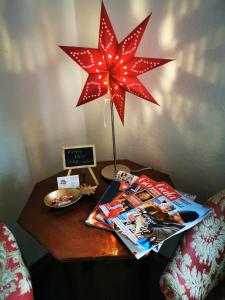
(79, 157)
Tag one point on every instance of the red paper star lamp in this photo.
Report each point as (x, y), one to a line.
(112, 67)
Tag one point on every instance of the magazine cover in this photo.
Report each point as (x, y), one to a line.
(148, 213)
(121, 182)
(93, 220)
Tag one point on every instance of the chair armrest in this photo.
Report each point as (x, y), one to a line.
(15, 280)
(199, 262)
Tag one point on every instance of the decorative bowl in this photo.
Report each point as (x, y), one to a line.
(62, 198)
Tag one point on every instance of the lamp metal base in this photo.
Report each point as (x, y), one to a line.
(108, 172)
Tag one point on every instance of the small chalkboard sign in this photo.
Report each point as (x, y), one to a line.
(76, 157)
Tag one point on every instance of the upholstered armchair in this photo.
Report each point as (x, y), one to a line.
(14, 277)
(197, 270)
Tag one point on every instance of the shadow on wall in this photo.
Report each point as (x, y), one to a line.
(192, 142)
(37, 115)
(185, 135)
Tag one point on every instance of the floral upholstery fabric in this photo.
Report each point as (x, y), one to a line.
(199, 262)
(15, 281)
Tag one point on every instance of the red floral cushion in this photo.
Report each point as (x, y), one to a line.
(15, 281)
(199, 262)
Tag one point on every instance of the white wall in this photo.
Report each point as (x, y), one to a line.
(185, 136)
(40, 86)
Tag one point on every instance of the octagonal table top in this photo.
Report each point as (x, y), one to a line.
(63, 231)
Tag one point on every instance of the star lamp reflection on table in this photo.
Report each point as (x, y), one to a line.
(112, 67)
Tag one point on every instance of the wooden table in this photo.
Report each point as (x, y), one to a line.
(63, 231)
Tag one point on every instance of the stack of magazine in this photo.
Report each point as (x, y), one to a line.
(144, 213)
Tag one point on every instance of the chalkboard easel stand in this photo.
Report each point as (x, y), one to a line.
(93, 176)
(91, 172)
(69, 172)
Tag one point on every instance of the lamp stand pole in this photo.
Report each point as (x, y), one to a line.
(109, 172)
(113, 136)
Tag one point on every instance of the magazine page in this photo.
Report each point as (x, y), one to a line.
(136, 249)
(154, 222)
(92, 220)
(162, 188)
(150, 212)
(121, 182)
(133, 196)
(185, 196)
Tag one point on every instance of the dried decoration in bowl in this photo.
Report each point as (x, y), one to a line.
(66, 197)
(62, 198)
